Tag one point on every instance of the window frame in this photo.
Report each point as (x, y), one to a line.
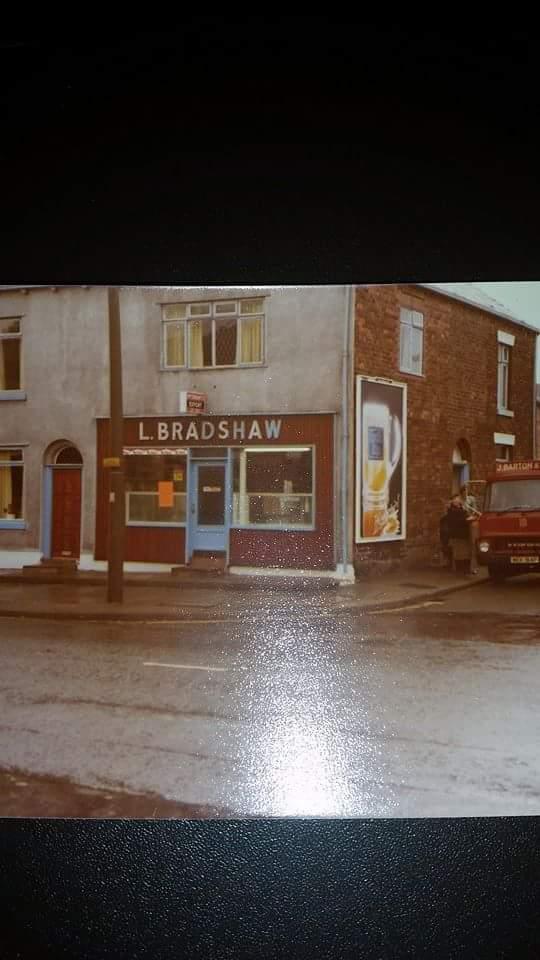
(290, 528)
(153, 523)
(503, 402)
(157, 523)
(15, 393)
(213, 315)
(18, 523)
(410, 325)
(508, 448)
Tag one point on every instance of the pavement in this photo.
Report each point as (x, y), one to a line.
(221, 598)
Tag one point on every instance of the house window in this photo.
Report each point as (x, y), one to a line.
(11, 485)
(10, 353)
(503, 452)
(503, 377)
(226, 333)
(273, 487)
(411, 343)
(155, 491)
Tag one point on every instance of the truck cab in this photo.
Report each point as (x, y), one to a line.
(509, 527)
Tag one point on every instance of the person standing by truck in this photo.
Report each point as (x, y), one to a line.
(459, 534)
(472, 512)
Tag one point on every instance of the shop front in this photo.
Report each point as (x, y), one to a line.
(257, 490)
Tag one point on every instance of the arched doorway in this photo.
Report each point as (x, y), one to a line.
(62, 497)
(461, 465)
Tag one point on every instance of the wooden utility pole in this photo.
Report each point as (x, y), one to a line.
(115, 579)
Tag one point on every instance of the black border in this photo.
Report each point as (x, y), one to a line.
(143, 156)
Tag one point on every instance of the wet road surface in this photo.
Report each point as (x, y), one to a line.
(427, 712)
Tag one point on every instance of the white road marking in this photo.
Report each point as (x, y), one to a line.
(184, 666)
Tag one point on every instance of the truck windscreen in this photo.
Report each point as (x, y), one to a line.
(513, 495)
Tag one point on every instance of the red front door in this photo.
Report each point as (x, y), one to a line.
(66, 525)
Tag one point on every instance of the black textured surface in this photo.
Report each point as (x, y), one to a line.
(270, 889)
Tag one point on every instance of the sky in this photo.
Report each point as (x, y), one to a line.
(522, 299)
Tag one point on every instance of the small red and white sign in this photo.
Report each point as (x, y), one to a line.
(192, 402)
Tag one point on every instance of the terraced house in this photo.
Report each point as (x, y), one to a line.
(251, 473)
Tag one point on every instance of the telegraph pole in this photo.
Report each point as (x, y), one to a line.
(115, 566)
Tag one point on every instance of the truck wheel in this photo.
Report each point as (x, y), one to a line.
(496, 575)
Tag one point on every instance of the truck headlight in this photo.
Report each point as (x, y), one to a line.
(483, 546)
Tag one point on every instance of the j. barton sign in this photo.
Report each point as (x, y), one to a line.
(205, 430)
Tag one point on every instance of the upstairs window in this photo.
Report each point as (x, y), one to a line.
(10, 353)
(411, 343)
(503, 377)
(225, 333)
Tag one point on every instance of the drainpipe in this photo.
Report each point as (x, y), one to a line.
(345, 431)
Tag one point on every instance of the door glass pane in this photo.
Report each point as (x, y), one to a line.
(211, 496)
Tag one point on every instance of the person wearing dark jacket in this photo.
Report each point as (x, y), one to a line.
(459, 534)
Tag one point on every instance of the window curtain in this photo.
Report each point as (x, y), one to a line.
(175, 345)
(196, 343)
(251, 340)
(6, 488)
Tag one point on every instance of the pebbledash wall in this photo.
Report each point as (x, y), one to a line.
(451, 405)
(64, 396)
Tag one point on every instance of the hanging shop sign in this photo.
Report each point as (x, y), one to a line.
(192, 402)
(381, 459)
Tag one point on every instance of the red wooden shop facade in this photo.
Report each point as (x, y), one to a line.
(291, 456)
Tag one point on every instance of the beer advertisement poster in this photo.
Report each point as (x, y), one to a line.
(381, 459)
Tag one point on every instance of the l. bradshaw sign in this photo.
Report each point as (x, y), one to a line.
(218, 430)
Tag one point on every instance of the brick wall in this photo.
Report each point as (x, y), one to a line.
(538, 421)
(455, 399)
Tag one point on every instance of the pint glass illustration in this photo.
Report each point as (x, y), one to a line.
(381, 434)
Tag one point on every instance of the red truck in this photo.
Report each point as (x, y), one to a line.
(509, 527)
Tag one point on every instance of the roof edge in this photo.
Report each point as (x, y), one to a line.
(495, 309)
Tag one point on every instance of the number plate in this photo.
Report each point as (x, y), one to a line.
(524, 559)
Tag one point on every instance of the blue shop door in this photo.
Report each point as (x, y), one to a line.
(208, 507)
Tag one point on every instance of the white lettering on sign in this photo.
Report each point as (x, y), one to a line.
(207, 430)
(198, 429)
(273, 429)
(518, 466)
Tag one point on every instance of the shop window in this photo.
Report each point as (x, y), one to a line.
(11, 485)
(273, 487)
(155, 489)
(10, 353)
(226, 333)
(411, 343)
